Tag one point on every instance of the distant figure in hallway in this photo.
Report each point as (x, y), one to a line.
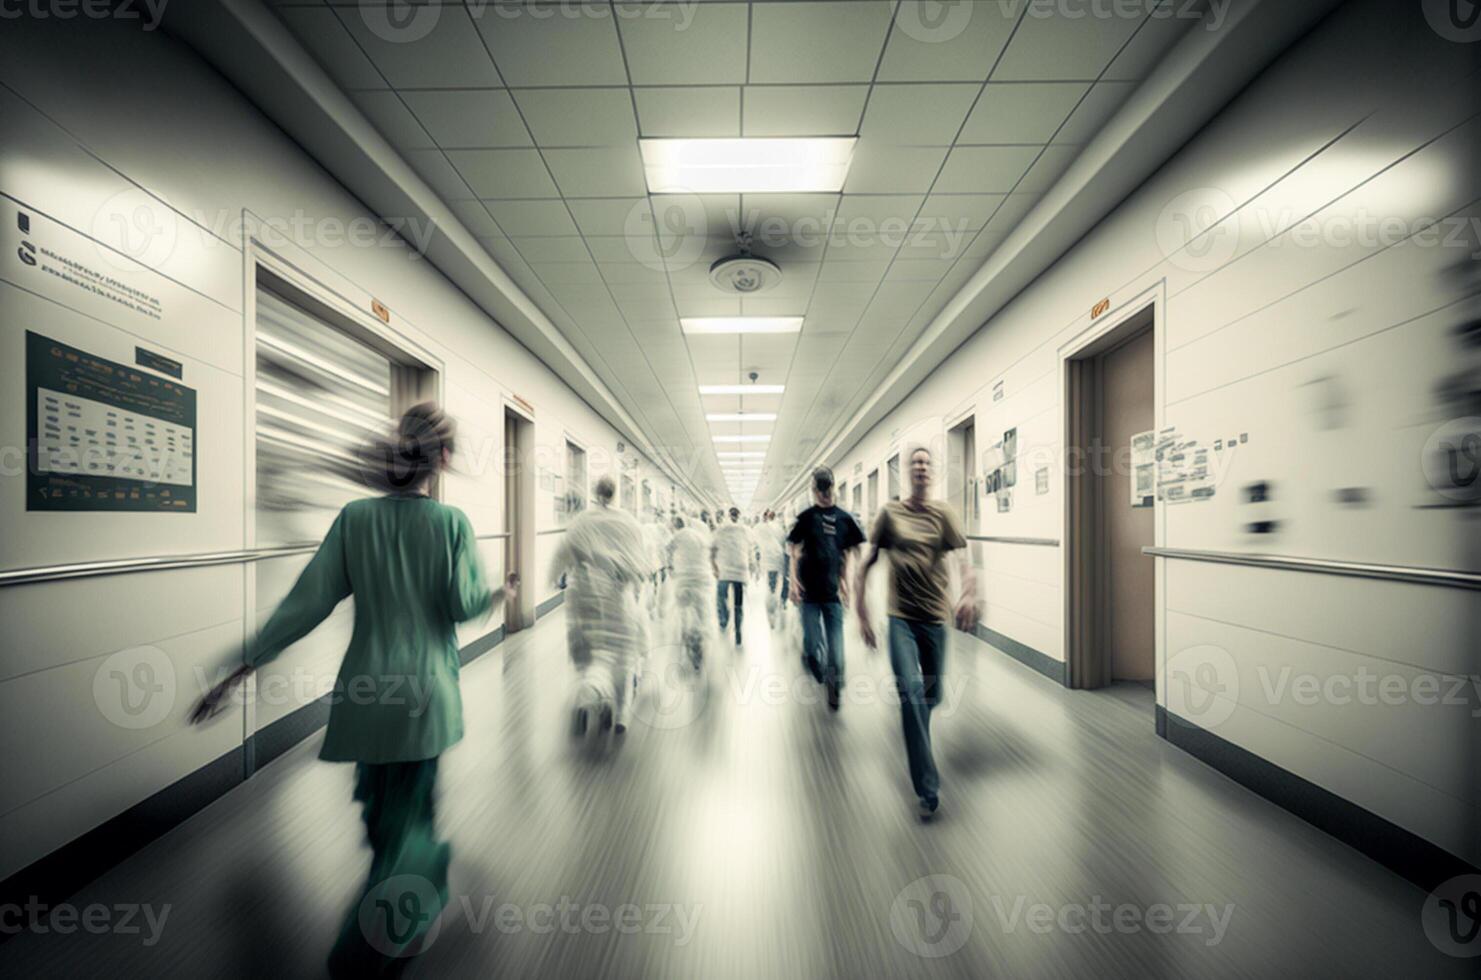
(412, 565)
(606, 563)
(918, 533)
(692, 572)
(735, 561)
(821, 546)
(772, 547)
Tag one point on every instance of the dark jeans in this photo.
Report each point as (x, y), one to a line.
(724, 608)
(407, 888)
(918, 658)
(822, 641)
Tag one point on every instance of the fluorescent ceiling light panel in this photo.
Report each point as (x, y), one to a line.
(741, 455)
(746, 166)
(743, 438)
(741, 417)
(741, 389)
(740, 324)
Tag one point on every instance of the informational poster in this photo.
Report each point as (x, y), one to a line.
(105, 435)
(1144, 468)
(1183, 470)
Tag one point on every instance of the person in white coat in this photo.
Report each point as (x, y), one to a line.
(692, 576)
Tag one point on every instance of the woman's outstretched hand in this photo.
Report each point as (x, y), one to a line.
(511, 587)
(216, 699)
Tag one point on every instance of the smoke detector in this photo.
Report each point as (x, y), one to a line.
(744, 274)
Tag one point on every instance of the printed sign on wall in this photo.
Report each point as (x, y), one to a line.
(104, 435)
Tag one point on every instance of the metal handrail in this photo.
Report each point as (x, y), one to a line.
(127, 566)
(1044, 542)
(1448, 577)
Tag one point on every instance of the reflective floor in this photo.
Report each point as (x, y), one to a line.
(740, 830)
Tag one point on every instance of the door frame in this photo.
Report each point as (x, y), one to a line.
(1084, 562)
(519, 513)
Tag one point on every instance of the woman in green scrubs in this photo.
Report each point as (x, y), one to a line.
(412, 565)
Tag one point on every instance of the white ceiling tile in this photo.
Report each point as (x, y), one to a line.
(433, 167)
(956, 212)
(624, 273)
(537, 250)
(935, 41)
(865, 212)
(503, 173)
(803, 110)
(684, 44)
(470, 118)
(808, 41)
(704, 301)
(1095, 111)
(578, 116)
(320, 31)
(615, 171)
(394, 121)
(693, 113)
(559, 49)
(1050, 45)
(985, 169)
(933, 245)
(610, 216)
(532, 217)
(1048, 169)
(917, 114)
(835, 271)
(1158, 35)
(881, 168)
(475, 217)
(562, 273)
(435, 48)
(1023, 112)
(620, 248)
(777, 220)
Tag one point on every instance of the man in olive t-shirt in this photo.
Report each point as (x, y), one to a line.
(918, 532)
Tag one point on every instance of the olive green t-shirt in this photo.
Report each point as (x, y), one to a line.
(917, 542)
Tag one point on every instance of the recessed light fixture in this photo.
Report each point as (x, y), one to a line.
(743, 438)
(740, 324)
(741, 417)
(746, 166)
(741, 389)
(741, 455)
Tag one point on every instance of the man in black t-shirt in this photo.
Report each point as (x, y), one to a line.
(822, 543)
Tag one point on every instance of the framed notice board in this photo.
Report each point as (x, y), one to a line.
(105, 436)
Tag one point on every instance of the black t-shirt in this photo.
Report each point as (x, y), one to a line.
(824, 533)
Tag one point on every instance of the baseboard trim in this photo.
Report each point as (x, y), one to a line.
(1026, 655)
(51, 879)
(1401, 851)
(549, 605)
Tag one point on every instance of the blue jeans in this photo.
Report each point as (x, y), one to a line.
(723, 608)
(918, 658)
(822, 641)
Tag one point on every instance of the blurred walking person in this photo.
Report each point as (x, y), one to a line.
(412, 565)
(606, 563)
(918, 533)
(771, 546)
(735, 561)
(691, 572)
(821, 545)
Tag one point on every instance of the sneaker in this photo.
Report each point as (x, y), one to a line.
(579, 722)
(928, 808)
(833, 697)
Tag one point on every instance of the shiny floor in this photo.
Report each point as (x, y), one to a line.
(742, 831)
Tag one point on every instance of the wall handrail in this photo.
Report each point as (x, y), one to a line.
(1446, 577)
(126, 566)
(997, 539)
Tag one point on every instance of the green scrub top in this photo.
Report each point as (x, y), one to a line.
(412, 565)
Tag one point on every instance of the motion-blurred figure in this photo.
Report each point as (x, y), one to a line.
(735, 560)
(412, 565)
(691, 569)
(605, 561)
(772, 554)
(918, 533)
(821, 544)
